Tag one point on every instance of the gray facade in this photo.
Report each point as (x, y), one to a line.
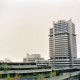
(62, 42)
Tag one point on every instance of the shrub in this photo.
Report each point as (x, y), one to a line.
(40, 76)
(53, 74)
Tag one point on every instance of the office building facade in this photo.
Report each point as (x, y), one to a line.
(62, 42)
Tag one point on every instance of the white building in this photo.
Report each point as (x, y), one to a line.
(32, 58)
(6, 60)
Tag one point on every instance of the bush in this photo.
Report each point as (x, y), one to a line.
(40, 76)
(53, 74)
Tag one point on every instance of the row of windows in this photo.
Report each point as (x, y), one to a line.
(60, 34)
(50, 44)
(62, 61)
(51, 38)
(66, 50)
(60, 54)
(60, 42)
(51, 30)
(61, 26)
(64, 40)
(62, 58)
(61, 38)
(63, 44)
(65, 35)
(50, 41)
(60, 31)
(58, 51)
(51, 50)
(50, 47)
(61, 47)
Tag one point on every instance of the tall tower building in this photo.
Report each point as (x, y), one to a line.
(62, 42)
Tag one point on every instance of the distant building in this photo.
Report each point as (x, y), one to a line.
(6, 60)
(32, 58)
(62, 42)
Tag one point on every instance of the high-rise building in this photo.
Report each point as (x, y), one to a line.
(62, 42)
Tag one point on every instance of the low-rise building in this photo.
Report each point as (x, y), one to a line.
(32, 58)
(77, 61)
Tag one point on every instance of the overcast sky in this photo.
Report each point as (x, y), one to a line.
(24, 25)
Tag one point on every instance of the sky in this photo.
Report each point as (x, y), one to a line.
(24, 25)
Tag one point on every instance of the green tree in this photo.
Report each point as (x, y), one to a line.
(17, 76)
(53, 74)
(8, 76)
(4, 67)
(40, 76)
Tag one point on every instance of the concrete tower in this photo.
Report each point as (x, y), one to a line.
(62, 42)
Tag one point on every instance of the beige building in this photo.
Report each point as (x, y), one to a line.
(32, 58)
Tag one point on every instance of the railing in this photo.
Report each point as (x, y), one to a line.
(21, 66)
(63, 77)
(25, 71)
